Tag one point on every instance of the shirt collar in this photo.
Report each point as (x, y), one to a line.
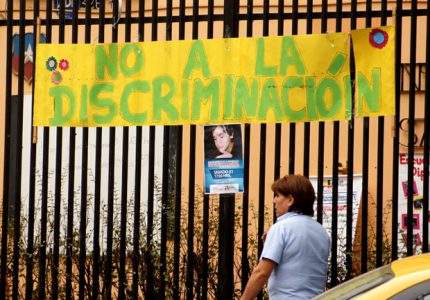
(286, 215)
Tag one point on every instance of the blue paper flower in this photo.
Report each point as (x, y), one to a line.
(51, 63)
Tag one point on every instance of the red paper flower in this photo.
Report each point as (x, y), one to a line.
(378, 38)
(64, 64)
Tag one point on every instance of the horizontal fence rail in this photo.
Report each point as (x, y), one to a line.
(120, 212)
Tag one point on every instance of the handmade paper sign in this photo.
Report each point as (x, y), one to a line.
(237, 80)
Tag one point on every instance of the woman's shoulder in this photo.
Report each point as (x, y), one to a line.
(299, 219)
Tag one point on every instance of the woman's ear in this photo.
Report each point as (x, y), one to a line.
(290, 200)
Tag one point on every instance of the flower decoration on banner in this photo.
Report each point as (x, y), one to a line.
(64, 64)
(51, 65)
(378, 38)
(56, 77)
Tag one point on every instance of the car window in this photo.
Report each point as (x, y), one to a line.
(358, 285)
(420, 291)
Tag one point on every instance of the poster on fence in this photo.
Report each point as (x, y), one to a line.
(223, 159)
(417, 214)
(341, 206)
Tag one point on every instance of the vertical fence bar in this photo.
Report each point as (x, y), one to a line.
(164, 201)
(151, 173)
(350, 162)
(178, 184)
(96, 238)
(205, 241)
(307, 125)
(109, 238)
(335, 170)
(426, 139)
(396, 121)
(263, 131)
(380, 169)
(321, 135)
(364, 200)
(17, 207)
(110, 207)
(71, 193)
(411, 128)
(150, 212)
(58, 157)
(365, 193)
(278, 126)
(245, 203)
(124, 179)
(57, 197)
(190, 243)
(165, 176)
(262, 158)
(123, 232)
(15, 197)
(5, 202)
(97, 180)
(83, 215)
(138, 177)
(178, 195)
(69, 240)
(111, 178)
(5, 284)
(42, 249)
(292, 151)
(227, 201)
(191, 183)
(32, 174)
(84, 180)
(245, 211)
(226, 245)
(70, 205)
(44, 200)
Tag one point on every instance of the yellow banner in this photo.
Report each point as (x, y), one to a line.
(254, 80)
(374, 57)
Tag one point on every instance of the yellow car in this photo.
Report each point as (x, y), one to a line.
(403, 279)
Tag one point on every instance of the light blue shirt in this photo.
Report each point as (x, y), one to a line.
(300, 247)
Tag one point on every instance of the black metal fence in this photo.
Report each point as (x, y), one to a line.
(117, 212)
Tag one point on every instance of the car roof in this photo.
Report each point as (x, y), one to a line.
(411, 264)
(384, 282)
(408, 272)
(396, 285)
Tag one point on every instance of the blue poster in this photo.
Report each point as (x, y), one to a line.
(68, 8)
(223, 159)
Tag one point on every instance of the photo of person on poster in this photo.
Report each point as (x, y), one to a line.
(223, 141)
(223, 159)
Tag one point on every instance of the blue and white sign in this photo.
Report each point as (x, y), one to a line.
(68, 7)
(223, 159)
